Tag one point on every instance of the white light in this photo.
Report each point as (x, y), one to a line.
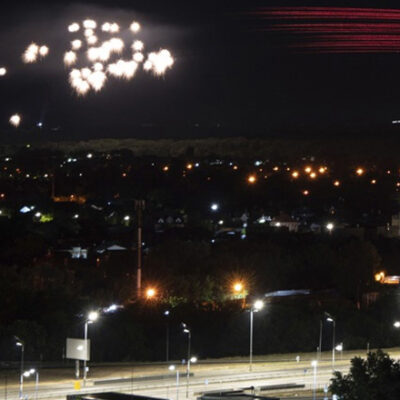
(74, 27)
(138, 57)
(330, 226)
(135, 27)
(89, 24)
(70, 58)
(314, 363)
(92, 40)
(98, 66)
(220, 222)
(92, 316)
(76, 216)
(339, 347)
(258, 305)
(114, 28)
(88, 33)
(79, 348)
(137, 45)
(38, 214)
(76, 44)
(214, 207)
(3, 71)
(15, 120)
(89, 155)
(193, 359)
(397, 324)
(171, 367)
(106, 27)
(278, 224)
(43, 51)
(127, 218)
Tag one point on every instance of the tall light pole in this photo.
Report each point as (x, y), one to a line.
(320, 339)
(92, 317)
(139, 206)
(166, 313)
(27, 374)
(172, 368)
(331, 319)
(314, 364)
(189, 333)
(257, 306)
(21, 344)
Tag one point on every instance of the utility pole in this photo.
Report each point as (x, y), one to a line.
(139, 207)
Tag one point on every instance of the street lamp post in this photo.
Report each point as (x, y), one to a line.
(331, 319)
(257, 306)
(21, 344)
(92, 317)
(320, 339)
(314, 364)
(166, 313)
(189, 333)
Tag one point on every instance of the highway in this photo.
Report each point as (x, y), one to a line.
(207, 377)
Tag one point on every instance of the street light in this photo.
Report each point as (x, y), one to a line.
(330, 226)
(331, 319)
(150, 293)
(172, 368)
(257, 306)
(397, 324)
(214, 207)
(92, 317)
(189, 333)
(30, 372)
(166, 314)
(314, 364)
(339, 348)
(21, 344)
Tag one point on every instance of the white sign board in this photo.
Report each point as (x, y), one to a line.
(77, 349)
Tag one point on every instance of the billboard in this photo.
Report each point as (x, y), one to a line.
(77, 349)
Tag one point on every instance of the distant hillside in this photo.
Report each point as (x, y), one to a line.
(351, 149)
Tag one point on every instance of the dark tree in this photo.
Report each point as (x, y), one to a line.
(376, 378)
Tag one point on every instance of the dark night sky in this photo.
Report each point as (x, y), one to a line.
(230, 78)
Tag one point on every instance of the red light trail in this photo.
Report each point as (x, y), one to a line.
(333, 29)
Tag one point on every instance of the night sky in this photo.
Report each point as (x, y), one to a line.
(233, 75)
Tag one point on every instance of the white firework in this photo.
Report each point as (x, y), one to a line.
(89, 24)
(85, 73)
(117, 45)
(135, 27)
(106, 27)
(148, 65)
(138, 45)
(92, 40)
(114, 28)
(160, 61)
(98, 66)
(15, 120)
(138, 57)
(74, 27)
(70, 58)
(76, 44)
(43, 51)
(88, 32)
(96, 80)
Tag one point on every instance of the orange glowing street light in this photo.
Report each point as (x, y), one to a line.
(359, 171)
(150, 293)
(238, 287)
(336, 183)
(308, 169)
(295, 174)
(251, 179)
(313, 175)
